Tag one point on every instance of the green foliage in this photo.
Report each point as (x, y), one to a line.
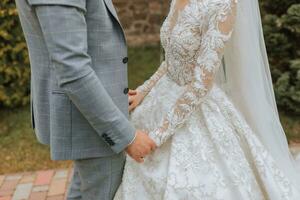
(14, 63)
(281, 21)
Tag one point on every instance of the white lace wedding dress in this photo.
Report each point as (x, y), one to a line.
(206, 150)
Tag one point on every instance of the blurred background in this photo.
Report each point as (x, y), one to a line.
(141, 19)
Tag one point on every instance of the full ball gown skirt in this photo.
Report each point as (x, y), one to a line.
(213, 156)
(206, 150)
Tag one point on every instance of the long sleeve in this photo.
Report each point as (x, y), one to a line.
(150, 83)
(65, 32)
(209, 58)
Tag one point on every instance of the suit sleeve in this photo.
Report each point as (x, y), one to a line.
(65, 32)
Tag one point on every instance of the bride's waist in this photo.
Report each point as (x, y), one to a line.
(169, 91)
(176, 82)
(180, 75)
(181, 72)
(179, 82)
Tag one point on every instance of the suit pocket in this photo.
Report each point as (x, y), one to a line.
(60, 116)
(32, 114)
(73, 3)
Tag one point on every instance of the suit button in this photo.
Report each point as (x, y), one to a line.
(109, 141)
(104, 135)
(125, 60)
(126, 90)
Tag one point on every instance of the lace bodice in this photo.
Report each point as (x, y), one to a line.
(193, 37)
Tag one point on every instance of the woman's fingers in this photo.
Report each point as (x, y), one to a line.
(132, 92)
(134, 99)
(132, 106)
(130, 99)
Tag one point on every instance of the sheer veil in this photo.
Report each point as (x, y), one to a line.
(247, 81)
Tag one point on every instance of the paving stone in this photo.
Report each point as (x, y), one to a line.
(47, 185)
(4, 193)
(57, 187)
(28, 178)
(1, 180)
(22, 191)
(8, 187)
(44, 177)
(59, 197)
(35, 185)
(61, 174)
(9, 184)
(40, 188)
(38, 196)
(70, 175)
(5, 198)
(13, 177)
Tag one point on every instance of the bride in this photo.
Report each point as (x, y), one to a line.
(210, 109)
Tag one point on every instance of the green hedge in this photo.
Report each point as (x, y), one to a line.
(281, 21)
(14, 63)
(281, 27)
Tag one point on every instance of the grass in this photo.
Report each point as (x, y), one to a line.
(142, 64)
(291, 125)
(20, 151)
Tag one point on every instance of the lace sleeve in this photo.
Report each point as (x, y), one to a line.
(209, 59)
(150, 83)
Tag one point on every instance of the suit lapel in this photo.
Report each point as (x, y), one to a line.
(111, 8)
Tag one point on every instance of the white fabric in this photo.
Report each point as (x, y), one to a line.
(207, 149)
(215, 155)
(192, 59)
(249, 85)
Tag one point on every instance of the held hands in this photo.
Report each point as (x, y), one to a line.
(141, 146)
(135, 98)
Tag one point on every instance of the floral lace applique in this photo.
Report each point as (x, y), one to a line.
(194, 49)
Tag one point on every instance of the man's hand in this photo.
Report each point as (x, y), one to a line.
(141, 146)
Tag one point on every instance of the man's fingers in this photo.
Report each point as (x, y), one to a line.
(153, 145)
(147, 151)
(139, 159)
(143, 152)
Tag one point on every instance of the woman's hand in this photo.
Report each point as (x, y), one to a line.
(135, 98)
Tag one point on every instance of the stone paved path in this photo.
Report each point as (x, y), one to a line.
(50, 184)
(40, 185)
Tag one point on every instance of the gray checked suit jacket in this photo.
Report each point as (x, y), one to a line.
(79, 86)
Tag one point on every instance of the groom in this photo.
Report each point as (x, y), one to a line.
(79, 91)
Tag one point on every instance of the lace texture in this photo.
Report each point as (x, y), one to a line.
(193, 40)
(149, 84)
(206, 150)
